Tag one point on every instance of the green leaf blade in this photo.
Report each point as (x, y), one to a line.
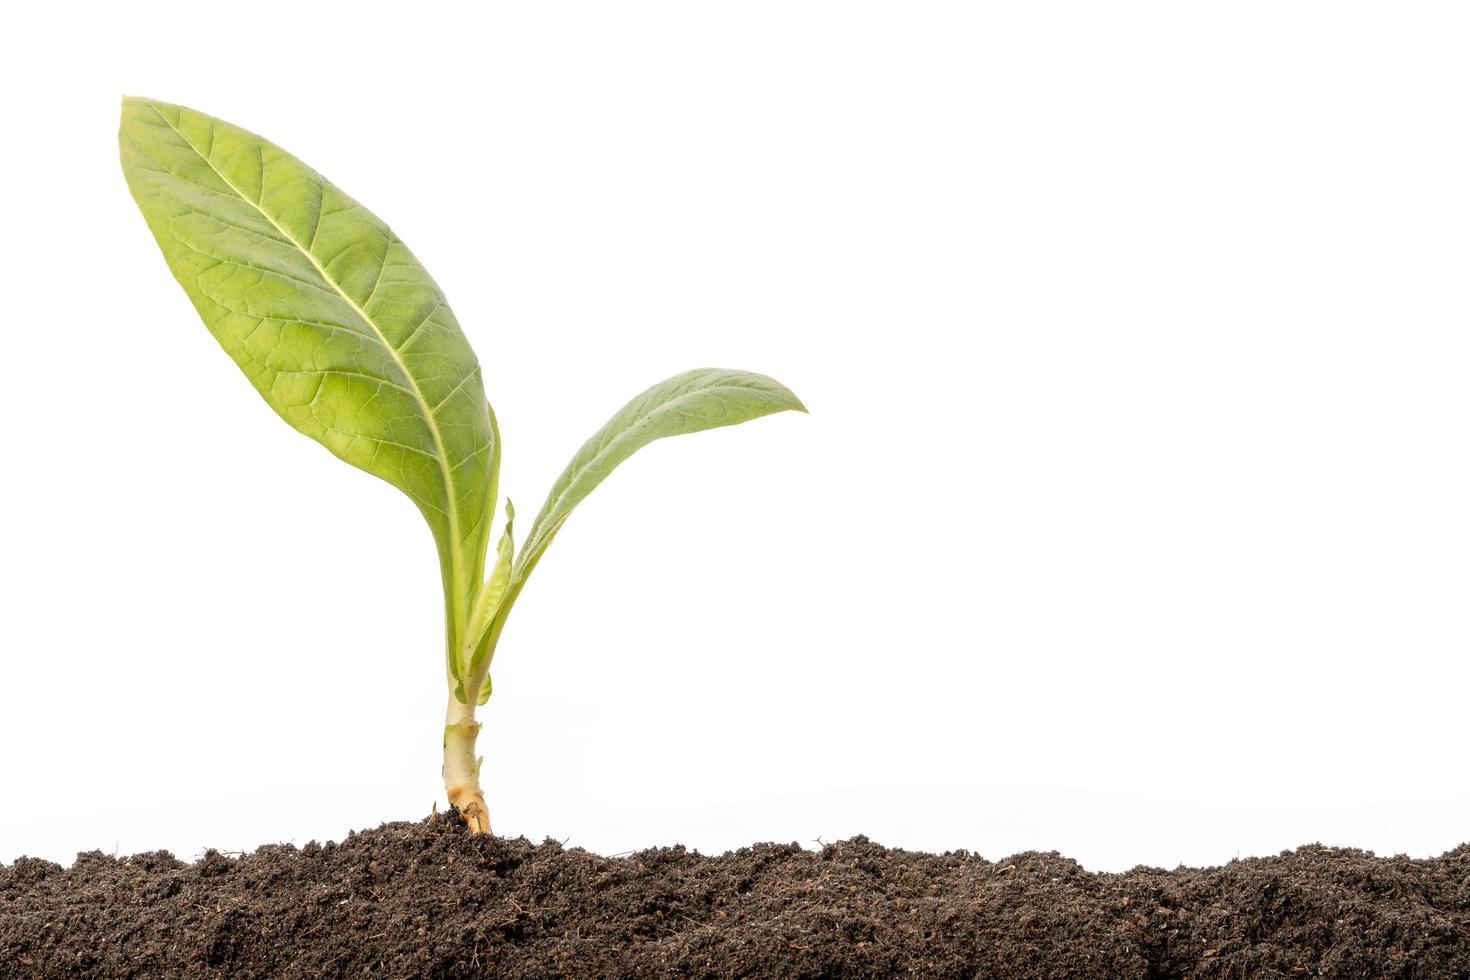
(705, 398)
(325, 310)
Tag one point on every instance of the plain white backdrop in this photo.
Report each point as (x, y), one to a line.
(1130, 518)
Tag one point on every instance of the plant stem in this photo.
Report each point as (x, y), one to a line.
(462, 766)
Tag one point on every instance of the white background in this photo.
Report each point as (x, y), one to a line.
(1131, 519)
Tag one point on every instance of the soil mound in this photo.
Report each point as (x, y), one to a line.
(429, 900)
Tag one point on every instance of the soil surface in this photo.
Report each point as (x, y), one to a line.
(428, 899)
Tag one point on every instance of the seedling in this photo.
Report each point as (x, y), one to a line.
(346, 336)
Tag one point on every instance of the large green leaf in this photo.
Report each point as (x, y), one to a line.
(329, 315)
(705, 398)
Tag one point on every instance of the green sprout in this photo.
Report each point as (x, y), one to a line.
(345, 335)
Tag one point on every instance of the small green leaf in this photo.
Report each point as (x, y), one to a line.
(705, 398)
(505, 551)
(477, 648)
(487, 603)
(329, 315)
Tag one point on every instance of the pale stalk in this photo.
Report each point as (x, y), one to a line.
(462, 766)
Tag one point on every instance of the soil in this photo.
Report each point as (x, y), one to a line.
(428, 899)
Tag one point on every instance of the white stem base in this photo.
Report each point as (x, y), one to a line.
(462, 766)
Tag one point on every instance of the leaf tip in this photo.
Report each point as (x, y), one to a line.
(794, 404)
(135, 102)
(133, 111)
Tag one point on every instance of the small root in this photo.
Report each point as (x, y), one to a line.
(470, 803)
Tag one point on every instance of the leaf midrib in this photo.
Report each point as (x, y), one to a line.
(451, 498)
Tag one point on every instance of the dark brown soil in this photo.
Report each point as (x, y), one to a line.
(430, 900)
